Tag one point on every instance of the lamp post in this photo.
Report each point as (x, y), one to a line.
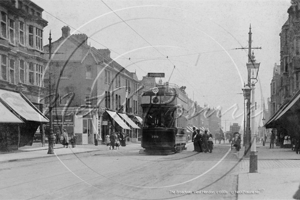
(264, 130)
(51, 135)
(247, 95)
(253, 68)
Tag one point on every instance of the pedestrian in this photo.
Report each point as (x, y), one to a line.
(272, 139)
(297, 145)
(210, 143)
(238, 142)
(265, 140)
(107, 140)
(112, 140)
(198, 141)
(57, 140)
(66, 138)
(117, 143)
(205, 141)
(193, 137)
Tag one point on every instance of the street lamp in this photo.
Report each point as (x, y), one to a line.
(253, 68)
(51, 135)
(247, 95)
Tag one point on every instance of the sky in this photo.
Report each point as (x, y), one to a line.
(192, 41)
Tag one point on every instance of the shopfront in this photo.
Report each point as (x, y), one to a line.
(19, 120)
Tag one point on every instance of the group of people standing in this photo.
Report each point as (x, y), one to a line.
(62, 138)
(113, 140)
(202, 142)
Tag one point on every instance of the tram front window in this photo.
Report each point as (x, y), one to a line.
(160, 117)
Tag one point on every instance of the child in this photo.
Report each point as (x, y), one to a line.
(107, 140)
(117, 144)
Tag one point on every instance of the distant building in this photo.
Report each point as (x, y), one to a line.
(235, 128)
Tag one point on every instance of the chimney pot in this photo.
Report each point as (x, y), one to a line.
(65, 31)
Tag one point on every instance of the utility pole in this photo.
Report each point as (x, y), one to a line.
(248, 130)
(51, 135)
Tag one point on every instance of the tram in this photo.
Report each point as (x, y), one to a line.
(164, 112)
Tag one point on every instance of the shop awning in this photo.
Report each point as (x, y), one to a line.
(189, 128)
(271, 123)
(129, 121)
(139, 118)
(7, 116)
(22, 106)
(116, 117)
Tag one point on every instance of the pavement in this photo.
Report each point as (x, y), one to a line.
(38, 151)
(277, 176)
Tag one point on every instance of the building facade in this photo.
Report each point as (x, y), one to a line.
(285, 84)
(22, 68)
(21, 49)
(88, 80)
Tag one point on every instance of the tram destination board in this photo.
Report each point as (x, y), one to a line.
(162, 75)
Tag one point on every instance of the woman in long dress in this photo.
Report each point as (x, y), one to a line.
(197, 141)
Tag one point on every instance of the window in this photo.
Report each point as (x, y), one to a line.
(31, 73)
(273, 87)
(22, 71)
(12, 71)
(21, 33)
(39, 39)
(107, 99)
(88, 74)
(107, 77)
(117, 101)
(4, 24)
(11, 31)
(4, 67)
(38, 75)
(32, 11)
(118, 81)
(30, 36)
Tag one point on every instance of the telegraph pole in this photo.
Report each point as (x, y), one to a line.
(248, 130)
(51, 135)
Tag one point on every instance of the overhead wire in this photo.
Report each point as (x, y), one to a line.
(138, 34)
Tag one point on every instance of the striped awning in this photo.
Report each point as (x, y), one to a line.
(7, 116)
(129, 121)
(117, 119)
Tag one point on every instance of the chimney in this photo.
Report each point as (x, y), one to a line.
(65, 31)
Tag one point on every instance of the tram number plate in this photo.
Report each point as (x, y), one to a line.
(154, 136)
